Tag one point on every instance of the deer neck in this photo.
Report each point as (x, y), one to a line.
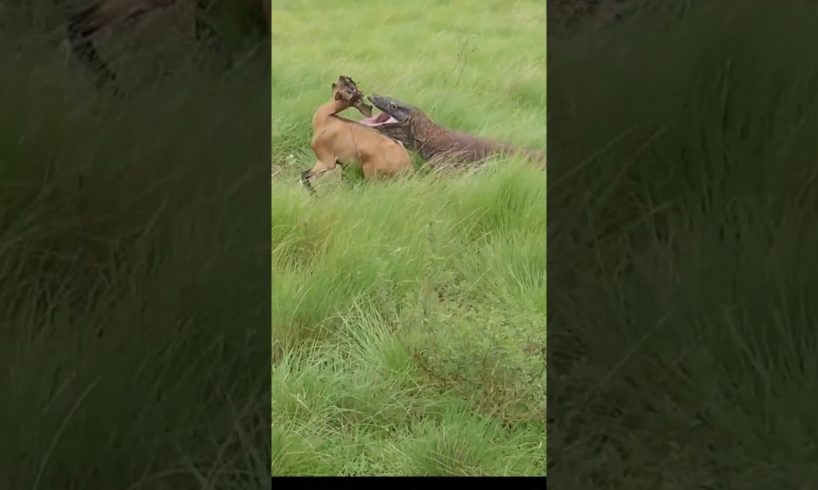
(325, 111)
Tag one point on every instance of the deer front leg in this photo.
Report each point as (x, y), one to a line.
(326, 161)
(318, 169)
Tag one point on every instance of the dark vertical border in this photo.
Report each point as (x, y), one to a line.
(682, 271)
(134, 260)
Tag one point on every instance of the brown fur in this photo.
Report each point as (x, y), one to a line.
(337, 139)
(442, 146)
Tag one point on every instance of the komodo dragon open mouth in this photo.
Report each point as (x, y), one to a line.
(392, 111)
(380, 119)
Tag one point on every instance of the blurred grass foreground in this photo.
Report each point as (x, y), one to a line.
(682, 246)
(126, 251)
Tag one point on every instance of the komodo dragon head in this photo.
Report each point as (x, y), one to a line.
(397, 120)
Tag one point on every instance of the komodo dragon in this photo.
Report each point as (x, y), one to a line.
(436, 144)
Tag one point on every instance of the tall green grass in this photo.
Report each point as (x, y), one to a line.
(409, 316)
(408, 325)
(681, 250)
(133, 310)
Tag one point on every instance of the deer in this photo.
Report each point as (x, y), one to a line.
(337, 140)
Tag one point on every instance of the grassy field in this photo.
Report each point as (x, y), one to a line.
(409, 317)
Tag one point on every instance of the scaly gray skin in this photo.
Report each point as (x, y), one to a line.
(437, 144)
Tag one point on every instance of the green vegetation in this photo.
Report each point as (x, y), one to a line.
(409, 316)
